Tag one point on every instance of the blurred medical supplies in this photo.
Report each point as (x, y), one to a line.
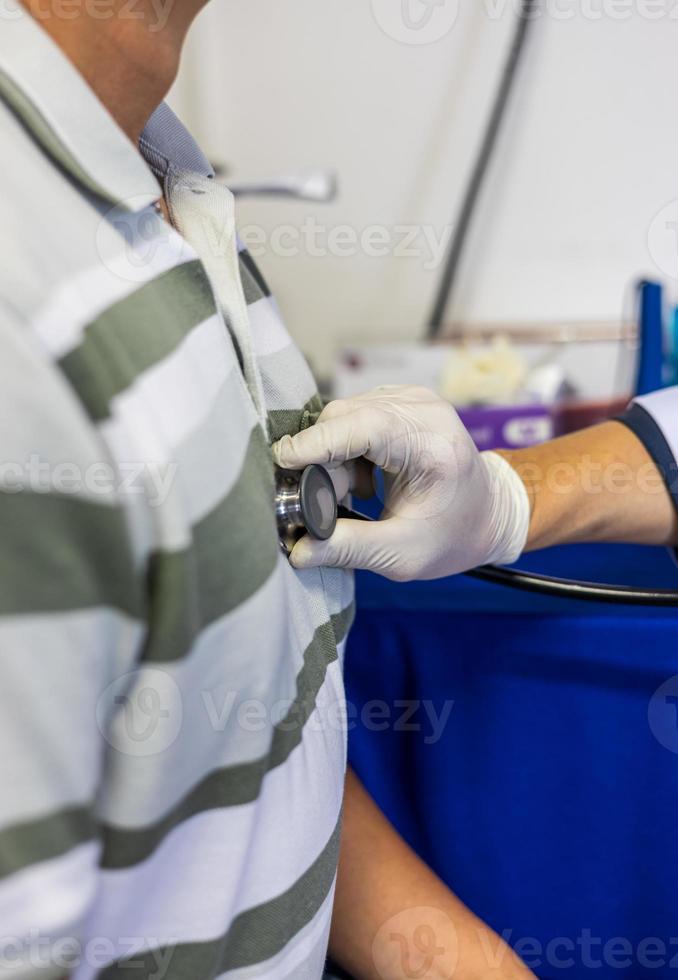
(502, 400)
(672, 359)
(489, 375)
(512, 387)
(650, 372)
(658, 338)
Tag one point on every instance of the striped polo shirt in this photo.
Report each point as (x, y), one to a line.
(172, 719)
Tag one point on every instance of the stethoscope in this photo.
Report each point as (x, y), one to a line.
(306, 503)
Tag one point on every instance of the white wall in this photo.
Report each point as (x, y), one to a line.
(588, 158)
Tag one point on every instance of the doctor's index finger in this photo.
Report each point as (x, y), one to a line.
(331, 440)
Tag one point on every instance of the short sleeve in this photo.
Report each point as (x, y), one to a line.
(653, 419)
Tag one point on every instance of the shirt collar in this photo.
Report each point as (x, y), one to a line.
(55, 104)
(168, 146)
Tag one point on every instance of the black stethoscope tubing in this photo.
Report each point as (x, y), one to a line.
(561, 588)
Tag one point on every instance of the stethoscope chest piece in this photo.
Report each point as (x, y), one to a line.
(305, 503)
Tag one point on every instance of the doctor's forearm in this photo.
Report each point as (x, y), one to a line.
(599, 484)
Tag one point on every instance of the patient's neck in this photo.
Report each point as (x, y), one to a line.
(130, 59)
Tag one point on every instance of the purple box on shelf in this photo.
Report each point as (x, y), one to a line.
(509, 426)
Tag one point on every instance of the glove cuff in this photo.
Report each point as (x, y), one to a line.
(510, 510)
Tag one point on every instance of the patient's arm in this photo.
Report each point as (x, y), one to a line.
(393, 915)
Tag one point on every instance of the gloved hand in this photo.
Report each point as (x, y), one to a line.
(448, 507)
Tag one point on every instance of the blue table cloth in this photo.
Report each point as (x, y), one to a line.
(528, 749)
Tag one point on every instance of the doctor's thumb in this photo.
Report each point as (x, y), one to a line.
(352, 545)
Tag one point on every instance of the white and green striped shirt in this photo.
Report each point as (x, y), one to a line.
(172, 734)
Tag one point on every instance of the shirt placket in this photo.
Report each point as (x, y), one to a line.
(204, 213)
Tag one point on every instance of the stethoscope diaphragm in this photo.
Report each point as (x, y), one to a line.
(305, 503)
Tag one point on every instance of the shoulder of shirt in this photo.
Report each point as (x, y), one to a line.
(38, 204)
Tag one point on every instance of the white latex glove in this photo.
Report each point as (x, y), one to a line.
(448, 507)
